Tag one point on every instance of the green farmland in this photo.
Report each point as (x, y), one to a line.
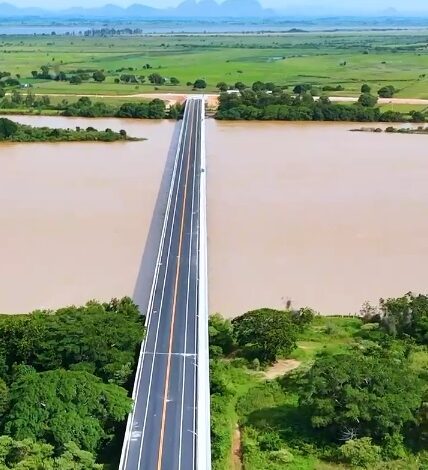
(321, 59)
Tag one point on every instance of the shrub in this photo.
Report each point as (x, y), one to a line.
(361, 453)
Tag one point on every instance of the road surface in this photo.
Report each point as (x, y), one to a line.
(161, 432)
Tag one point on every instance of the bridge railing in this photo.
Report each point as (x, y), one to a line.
(203, 425)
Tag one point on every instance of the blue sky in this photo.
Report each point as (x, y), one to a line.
(356, 5)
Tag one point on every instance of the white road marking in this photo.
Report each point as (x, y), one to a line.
(135, 391)
(162, 298)
(180, 448)
(196, 325)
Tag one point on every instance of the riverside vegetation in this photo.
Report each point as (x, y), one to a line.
(265, 101)
(65, 377)
(11, 131)
(29, 103)
(394, 130)
(358, 398)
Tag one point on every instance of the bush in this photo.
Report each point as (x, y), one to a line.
(367, 100)
(386, 91)
(361, 453)
(270, 441)
(200, 84)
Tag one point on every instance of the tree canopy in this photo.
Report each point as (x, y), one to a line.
(269, 333)
(277, 104)
(72, 336)
(60, 406)
(406, 316)
(358, 393)
(31, 455)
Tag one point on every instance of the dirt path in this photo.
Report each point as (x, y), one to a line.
(280, 368)
(237, 449)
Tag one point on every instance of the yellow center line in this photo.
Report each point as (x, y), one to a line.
(174, 308)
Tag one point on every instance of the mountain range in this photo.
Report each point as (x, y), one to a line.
(188, 8)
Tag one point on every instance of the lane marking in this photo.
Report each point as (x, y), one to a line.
(174, 310)
(191, 238)
(197, 300)
(137, 380)
(161, 302)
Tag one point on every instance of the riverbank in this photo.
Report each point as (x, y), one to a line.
(394, 130)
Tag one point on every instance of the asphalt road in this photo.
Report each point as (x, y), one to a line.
(161, 433)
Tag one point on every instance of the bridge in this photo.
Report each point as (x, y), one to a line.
(169, 426)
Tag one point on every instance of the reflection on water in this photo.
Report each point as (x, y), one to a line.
(316, 214)
(74, 217)
(307, 212)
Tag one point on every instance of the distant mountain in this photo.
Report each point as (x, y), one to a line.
(188, 8)
(7, 9)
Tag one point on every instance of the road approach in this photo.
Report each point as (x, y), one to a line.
(161, 432)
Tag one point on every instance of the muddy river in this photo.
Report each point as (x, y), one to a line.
(304, 212)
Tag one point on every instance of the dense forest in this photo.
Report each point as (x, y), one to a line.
(64, 381)
(353, 392)
(14, 132)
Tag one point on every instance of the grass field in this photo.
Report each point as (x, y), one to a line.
(397, 58)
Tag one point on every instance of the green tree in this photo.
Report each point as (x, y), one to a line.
(302, 88)
(61, 406)
(74, 458)
(156, 79)
(16, 98)
(417, 116)
(4, 396)
(98, 76)
(7, 128)
(75, 80)
(30, 99)
(199, 84)
(267, 333)
(157, 109)
(365, 88)
(422, 423)
(221, 334)
(406, 316)
(45, 100)
(28, 454)
(240, 86)
(367, 100)
(174, 81)
(386, 91)
(258, 86)
(103, 336)
(176, 111)
(222, 86)
(361, 453)
(361, 394)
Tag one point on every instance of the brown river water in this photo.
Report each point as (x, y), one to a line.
(307, 212)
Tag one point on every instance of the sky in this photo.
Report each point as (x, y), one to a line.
(357, 5)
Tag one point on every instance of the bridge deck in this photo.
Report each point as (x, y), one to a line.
(161, 431)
